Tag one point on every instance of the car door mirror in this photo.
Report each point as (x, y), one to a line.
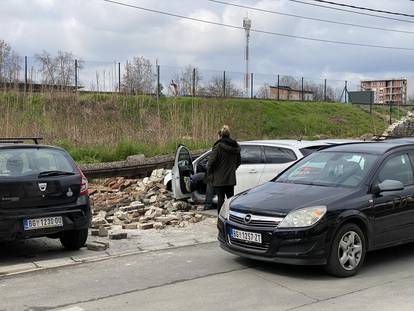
(388, 185)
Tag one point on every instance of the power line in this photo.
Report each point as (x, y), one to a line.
(354, 12)
(364, 8)
(257, 30)
(309, 18)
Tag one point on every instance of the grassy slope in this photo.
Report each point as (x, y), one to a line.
(110, 127)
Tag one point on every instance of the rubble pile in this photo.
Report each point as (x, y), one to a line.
(137, 204)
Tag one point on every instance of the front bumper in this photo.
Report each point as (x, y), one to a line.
(307, 246)
(75, 216)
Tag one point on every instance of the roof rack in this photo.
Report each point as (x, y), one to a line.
(19, 140)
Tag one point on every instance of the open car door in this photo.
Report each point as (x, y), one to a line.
(183, 168)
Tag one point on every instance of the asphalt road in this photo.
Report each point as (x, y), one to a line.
(203, 277)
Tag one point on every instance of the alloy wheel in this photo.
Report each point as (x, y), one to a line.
(350, 250)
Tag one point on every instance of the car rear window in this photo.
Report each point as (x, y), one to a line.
(278, 155)
(18, 162)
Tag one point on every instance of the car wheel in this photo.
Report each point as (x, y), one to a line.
(347, 252)
(74, 239)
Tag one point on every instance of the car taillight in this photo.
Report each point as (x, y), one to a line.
(83, 184)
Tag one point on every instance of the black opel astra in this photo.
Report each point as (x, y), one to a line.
(329, 208)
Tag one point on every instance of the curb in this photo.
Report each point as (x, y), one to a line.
(49, 264)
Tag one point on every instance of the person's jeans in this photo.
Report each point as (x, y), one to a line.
(222, 192)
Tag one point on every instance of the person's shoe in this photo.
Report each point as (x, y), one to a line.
(187, 183)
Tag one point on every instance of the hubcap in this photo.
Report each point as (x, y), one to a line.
(350, 250)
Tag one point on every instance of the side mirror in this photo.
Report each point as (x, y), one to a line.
(388, 185)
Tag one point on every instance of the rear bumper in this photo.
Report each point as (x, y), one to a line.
(76, 216)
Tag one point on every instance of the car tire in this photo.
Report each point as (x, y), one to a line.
(347, 252)
(74, 239)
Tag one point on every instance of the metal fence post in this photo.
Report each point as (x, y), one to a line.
(324, 91)
(158, 82)
(224, 83)
(346, 91)
(25, 74)
(278, 80)
(194, 83)
(302, 89)
(119, 77)
(251, 85)
(76, 75)
(390, 112)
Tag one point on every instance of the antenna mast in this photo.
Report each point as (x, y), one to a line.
(247, 24)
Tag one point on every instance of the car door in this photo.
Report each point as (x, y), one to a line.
(183, 168)
(252, 164)
(394, 210)
(276, 160)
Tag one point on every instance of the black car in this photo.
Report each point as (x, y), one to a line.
(42, 193)
(329, 208)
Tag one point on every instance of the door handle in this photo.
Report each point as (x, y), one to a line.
(252, 171)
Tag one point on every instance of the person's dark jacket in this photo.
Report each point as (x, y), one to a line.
(223, 162)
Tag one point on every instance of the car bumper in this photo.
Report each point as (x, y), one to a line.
(75, 217)
(297, 247)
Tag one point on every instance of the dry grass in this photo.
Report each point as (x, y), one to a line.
(105, 127)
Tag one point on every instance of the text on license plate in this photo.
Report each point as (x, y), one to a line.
(39, 223)
(246, 236)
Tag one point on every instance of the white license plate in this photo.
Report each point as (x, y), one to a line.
(246, 236)
(40, 223)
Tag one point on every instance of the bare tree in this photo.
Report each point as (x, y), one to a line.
(290, 82)
(216, 88)
(58, 70)
(139, 77)
(264, 91)
(9, 63)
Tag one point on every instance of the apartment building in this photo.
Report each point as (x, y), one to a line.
(387, 91)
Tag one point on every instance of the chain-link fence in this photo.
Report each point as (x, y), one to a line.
(139, 76)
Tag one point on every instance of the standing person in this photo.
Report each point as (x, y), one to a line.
(222, 165)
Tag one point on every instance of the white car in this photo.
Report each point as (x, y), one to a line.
(261, 160)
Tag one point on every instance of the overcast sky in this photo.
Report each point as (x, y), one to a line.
(98, 31)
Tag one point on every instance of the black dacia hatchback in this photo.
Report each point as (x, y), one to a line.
(329, 208)
(42, 193)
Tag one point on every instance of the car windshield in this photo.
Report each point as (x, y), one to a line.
(331, 169)
(18, 162)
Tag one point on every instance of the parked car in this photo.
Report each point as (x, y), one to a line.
(42, 193)
(329, 208)
(261, 160)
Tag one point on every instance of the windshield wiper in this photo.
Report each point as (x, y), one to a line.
(54, 173)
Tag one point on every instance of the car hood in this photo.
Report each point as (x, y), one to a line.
(276, 198)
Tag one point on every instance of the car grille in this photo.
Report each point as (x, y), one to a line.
(254, 220)
(259, 247)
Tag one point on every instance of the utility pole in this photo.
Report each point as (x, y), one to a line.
(247, 24)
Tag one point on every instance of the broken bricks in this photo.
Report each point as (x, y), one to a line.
(97, 245)
(137, 203)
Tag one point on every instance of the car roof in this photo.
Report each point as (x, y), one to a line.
(24, 146)
(286, 143)
(298, 143)
(375, 147)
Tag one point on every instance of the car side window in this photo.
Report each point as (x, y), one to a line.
(251, 155)
(277, 155)
(397, 168)
(184, 158)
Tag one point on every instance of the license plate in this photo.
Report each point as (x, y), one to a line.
(40, 223)
(246, 236)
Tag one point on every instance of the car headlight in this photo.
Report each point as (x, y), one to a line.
(303, 217)
(225, 208)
